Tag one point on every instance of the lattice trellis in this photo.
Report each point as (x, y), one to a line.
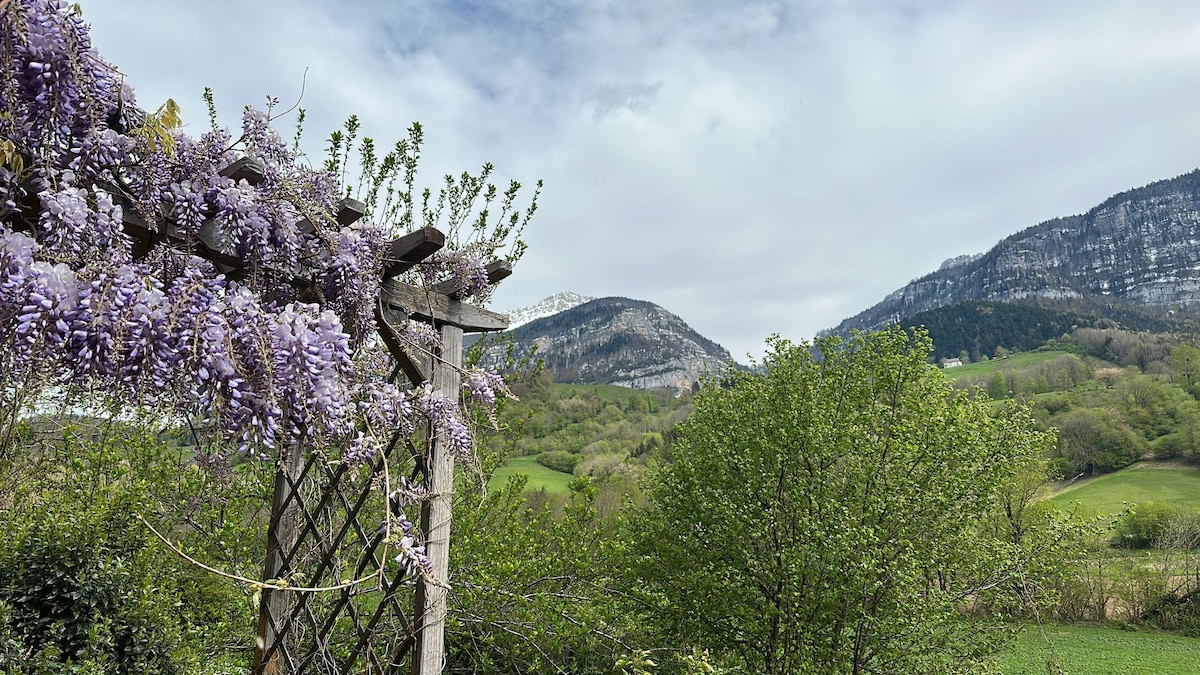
(326, 517)
(322, 519)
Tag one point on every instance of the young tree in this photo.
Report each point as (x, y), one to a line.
(826, 515)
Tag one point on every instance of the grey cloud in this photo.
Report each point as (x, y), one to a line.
(611, 98)
(754, 167)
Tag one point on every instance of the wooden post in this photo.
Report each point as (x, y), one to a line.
(429, 654)
(281, 539)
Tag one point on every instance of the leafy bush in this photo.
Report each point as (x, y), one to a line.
(1096, 440)
(1142, 526)
(558, 460)
(823, 515)
(81, 586)
(533, 592)
(85, 587)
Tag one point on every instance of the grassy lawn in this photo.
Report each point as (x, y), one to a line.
(1089, 650)
(1014, 362)
(539, 476)
(1166, 482)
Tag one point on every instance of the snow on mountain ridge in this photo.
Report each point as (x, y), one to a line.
(559, 302)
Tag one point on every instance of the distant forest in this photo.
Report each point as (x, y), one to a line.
(978, 329)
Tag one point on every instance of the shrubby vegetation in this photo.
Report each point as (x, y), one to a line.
(1115, 396)
(580, 584)
(85, 587)
(608, 434)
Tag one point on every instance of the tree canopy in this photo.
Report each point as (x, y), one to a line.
(825, 514)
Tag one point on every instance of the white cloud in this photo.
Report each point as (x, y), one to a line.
(753, 167)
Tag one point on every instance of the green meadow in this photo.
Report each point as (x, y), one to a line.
(1013, 362)
(1164, 482)
(1092, 650)
(539, 476)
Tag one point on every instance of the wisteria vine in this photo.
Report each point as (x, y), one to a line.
(271, 348)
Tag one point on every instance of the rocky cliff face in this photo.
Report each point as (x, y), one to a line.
(618, 341)
(1140, 246)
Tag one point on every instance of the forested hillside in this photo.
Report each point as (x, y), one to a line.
(972, 330)
(606, 432)
(1115, 396)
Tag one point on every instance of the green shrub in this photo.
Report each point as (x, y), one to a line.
(558, 460)
(1142, 526)
(1176, 611)
(81, 586)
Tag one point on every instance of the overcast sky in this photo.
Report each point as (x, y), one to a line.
(755, 168)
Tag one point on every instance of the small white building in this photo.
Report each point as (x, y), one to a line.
(951, 363)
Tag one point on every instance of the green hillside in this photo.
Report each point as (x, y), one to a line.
(540, 477)
(981, 369)
(1164, 482)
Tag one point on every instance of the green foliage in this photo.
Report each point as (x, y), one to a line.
(558, 460)
(79, 583)
(84, 585)
(1096, 441)
(825, 516)
(1141, 526)
(608, 433)
(1123, 347)
(532, 593)
(469, 208)
(1185, 368)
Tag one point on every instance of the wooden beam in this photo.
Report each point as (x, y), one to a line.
(411, 249)
(349, 211)
(282, 533)
(388, 320)
(248, 169)
(499, 270)
(496, 271)
(428, 306)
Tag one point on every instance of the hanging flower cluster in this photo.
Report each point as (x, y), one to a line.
(265, 340)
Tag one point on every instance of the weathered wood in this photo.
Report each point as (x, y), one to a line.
(282, 535)
(349, 211)
(427, 306)
(412, 248)
(496, 271)
(429, 653)
(499, 270)
(248, 169)
(387, 320)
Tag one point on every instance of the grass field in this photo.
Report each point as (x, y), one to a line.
(1089, 650)
(1014, 362)
(1167, 482)
(539, 476)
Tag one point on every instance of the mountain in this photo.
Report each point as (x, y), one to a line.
(619, 341)
(559, 302)
(1138, 251)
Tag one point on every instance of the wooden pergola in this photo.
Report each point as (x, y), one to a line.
(324, 528)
